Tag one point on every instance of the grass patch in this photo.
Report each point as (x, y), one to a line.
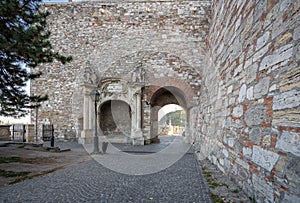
(8, 174)
(216, 198)
(210, 180)
(207, 174)
(13, 159)
(214, 184)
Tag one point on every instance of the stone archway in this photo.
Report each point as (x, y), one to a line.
(164, 96)
(115, 118)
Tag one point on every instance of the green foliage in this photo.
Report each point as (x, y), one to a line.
(177, 118)
(24, 44)
(216, 198)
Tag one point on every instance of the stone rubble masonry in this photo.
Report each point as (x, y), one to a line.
(253, 84)
(241, 56)
(111, 38)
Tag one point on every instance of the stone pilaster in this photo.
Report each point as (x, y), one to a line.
(138, 138)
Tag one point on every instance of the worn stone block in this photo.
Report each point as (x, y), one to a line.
(242, 163)
(261, 88)
(264, 158)
(243, 93)
(261, 53)
(231, 142)
(255, 115)
(280, 165)
(255, 135)
(263, 188)
(289, 142)
(286, 37)
(261, 41)
(247, 152)
(285, 100)
(237, 111)
(293, 171)
(250, 93)
(278, 56)
(243, 173)
(226, 153)
(238, 147)
(266, 141)
(287, 118)
(290, 79)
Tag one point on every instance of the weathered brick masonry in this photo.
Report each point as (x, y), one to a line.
(236, 63)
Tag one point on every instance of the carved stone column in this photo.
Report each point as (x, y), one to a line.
(138, 112)
(86, 133)
(138, 138)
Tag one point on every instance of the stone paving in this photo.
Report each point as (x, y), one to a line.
(91, 182)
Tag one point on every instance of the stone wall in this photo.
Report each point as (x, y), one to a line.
(110, 38)
(249, 114)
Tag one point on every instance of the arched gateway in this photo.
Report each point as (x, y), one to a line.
(131, 96)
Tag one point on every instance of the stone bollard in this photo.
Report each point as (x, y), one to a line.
(104, 147)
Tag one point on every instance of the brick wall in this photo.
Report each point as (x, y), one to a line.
(249, 114)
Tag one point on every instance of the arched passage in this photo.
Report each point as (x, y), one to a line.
(164, 96)
(115, 118)
(171, 120)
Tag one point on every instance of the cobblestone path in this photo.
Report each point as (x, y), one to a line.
(91, 182)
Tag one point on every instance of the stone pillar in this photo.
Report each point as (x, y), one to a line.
(86, 134)
(138, 112)
(154, 123)
(86, 112)
(138, 138)
(91, 115)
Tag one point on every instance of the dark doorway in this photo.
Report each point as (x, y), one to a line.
(115, 118)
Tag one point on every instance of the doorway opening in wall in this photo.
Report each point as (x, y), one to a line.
(115, 119)
(171, 120)
(168, 114)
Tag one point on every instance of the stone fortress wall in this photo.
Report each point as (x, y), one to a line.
(108, 39)
(250, 113)
(240, 57)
